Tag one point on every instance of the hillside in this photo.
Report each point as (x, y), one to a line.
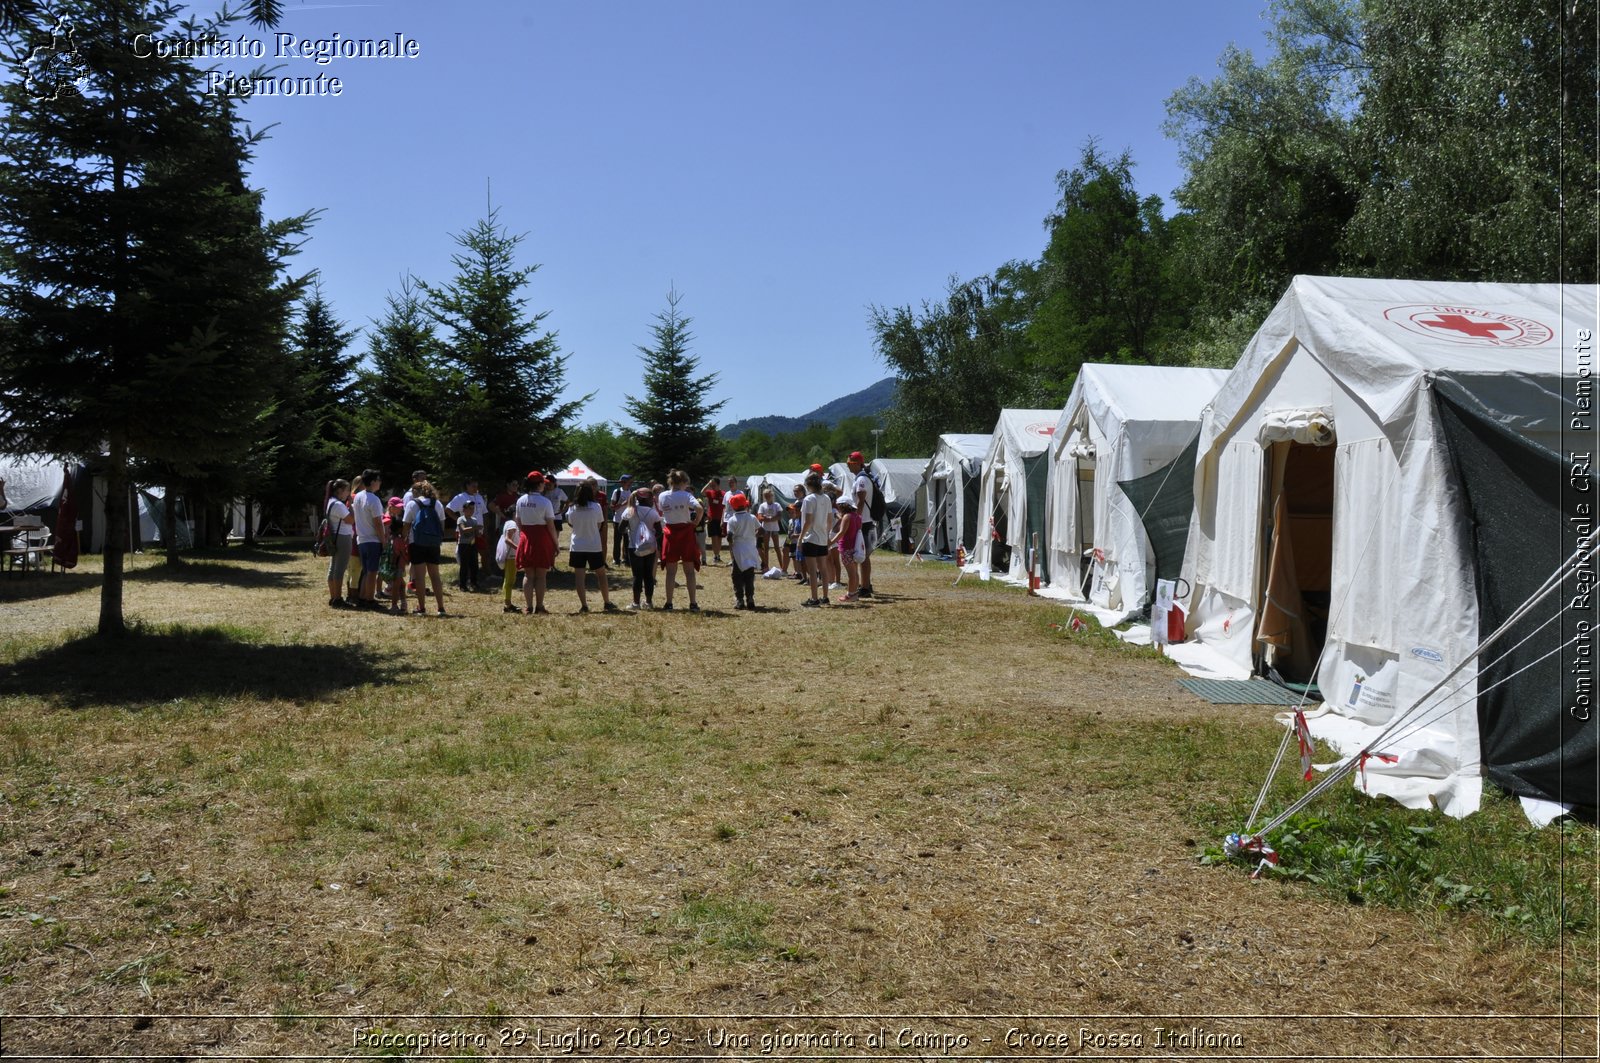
(869, 402)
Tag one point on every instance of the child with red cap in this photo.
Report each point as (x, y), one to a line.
(742, 527)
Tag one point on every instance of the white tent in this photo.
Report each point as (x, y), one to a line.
(1121, 422)
(1330, 526)
(1011, 493)
(782, 484)
(575, 473)
(901, 480)
(951, 479)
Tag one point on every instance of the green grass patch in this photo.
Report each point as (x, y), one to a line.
(1059, 623)
(1521, 882)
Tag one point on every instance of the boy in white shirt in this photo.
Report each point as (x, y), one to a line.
(742, 527)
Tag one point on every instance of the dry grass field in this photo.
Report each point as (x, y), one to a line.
(264, 827)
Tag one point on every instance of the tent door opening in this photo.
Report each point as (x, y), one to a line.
(1085, 544)
(1297, 583)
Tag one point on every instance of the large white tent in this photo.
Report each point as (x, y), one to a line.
(1338, 525)
(1011, 493)
(1121, 422)
(901, 480)
(952, 478)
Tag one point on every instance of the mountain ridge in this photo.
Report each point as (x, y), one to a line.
(870, 401)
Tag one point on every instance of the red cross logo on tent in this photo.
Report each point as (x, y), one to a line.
(1470, 325)
(1466, 326)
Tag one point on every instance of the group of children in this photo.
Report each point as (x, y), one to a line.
(658, 528)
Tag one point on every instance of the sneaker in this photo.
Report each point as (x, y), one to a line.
(666, 607)
(649, 606)
(835, 586)
(694, 607)
(738, 605)
(825, 600)
(583, 608)
(634, 608)
(850, 598)
(611, 607)
(542, 610)
(866, 592)
(511, 609)
(810, 603)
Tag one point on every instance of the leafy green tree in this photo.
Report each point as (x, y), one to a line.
(676, 427)
(395, 389)
(602, 447)
(496, 407)
(956, 362)
(143, 296)
(1477, 130)
(1273, 176)
(1103, 290)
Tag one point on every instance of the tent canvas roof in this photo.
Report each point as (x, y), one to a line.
(1381, 336)
(575, 472)
(1164, 401)
(901, 478)
(1023, 433)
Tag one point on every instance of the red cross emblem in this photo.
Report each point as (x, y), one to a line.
(1467, 326)
(1470, 325)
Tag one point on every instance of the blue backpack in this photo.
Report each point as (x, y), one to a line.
(429, 531)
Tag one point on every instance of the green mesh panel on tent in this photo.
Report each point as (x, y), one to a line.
(970, 488)
(1513, 487)
(1036, 470)
(1164, 499)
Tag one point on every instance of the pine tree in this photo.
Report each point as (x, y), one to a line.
(142, 294)
(675, 427)
(394, 390)
(313, 424)
(495, 408)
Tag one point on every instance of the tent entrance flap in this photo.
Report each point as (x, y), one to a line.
(1164, 499)
(1299, 577)
(1532, 746)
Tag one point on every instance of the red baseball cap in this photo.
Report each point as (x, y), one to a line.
(855, 456)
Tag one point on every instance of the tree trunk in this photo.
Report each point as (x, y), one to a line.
(249, 522)
(169, 525)
(116, 516)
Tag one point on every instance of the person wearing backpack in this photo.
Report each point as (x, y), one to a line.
(424, 525)
(872, 506)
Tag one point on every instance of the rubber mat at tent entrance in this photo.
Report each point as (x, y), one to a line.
(1241, 692)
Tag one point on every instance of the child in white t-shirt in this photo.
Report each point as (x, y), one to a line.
(742, 527)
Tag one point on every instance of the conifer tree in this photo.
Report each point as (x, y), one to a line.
(496, 407)
(674, 417)
(143, 296)
(394, 390)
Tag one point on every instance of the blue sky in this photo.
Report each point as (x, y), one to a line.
(783, 165)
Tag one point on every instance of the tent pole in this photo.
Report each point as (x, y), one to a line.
(945, 501)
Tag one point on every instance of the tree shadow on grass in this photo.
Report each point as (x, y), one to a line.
(33, 586)
(157, 665)
(212, 574)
